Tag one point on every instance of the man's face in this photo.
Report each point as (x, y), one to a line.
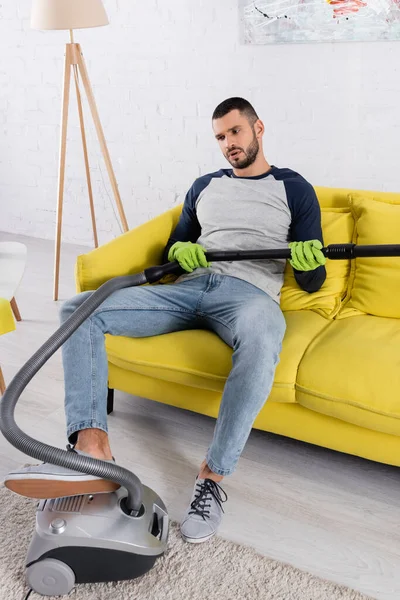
(237, 139)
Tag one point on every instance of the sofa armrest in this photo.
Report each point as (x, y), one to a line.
(129, 253)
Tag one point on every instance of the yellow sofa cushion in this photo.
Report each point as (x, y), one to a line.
(374, 286)
(129, 253)
(329, 198)
(199, 358)
(351, 372)
(288, 419)
(337, 227)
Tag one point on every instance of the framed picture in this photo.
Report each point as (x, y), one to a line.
(280, 21)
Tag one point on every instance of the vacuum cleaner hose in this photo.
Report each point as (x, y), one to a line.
(56, 456)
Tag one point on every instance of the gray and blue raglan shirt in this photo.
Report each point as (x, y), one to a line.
(225, 212)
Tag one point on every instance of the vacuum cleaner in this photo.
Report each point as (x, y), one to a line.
(114, 536)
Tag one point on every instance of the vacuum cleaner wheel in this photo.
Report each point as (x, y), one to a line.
(50, 577)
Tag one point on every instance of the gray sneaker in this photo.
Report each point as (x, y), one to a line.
(50, 481)
(204, 514)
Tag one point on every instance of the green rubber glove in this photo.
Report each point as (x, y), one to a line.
(189, 256)
(306, 256)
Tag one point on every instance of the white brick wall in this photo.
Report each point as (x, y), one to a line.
(158, 71)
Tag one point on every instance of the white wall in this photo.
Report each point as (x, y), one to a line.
(158, 71)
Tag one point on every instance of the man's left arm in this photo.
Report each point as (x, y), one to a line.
(305, 226)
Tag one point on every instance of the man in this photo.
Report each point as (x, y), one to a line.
(251, 206)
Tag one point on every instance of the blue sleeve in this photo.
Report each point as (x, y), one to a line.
(306, 225)
(188, 228)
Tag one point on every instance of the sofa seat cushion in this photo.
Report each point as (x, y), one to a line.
(352, 372)
(199, 358)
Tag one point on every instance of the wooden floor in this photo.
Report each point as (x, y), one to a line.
(331, 514)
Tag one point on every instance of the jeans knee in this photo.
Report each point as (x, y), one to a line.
(66, 310)
(70, 305)
(262, 330)
(261, 344)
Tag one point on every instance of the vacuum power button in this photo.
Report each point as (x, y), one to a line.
(58, 525)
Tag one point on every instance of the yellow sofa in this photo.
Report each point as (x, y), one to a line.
(338, 381)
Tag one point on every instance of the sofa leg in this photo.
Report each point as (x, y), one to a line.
(110, 401)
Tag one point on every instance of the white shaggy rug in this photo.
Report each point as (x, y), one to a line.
(215, 570)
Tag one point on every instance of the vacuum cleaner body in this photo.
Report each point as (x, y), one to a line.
(91, 538)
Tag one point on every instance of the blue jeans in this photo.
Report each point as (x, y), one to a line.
(244, 316)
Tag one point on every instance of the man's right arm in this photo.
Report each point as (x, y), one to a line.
(188, 228)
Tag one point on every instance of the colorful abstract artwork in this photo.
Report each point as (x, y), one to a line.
(280, 21)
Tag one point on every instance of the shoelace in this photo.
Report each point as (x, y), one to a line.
(204, 491)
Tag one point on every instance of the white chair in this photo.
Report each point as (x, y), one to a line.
(12, 267)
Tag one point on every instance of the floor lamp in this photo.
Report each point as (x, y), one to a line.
(70, 15)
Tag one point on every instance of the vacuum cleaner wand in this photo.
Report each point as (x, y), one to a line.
(333, 252)
(91, 466)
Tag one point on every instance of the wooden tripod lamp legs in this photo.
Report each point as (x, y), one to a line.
(100, 135)
(74, 59)
(86, 156)
(61, 168)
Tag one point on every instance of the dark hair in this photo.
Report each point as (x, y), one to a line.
(240, 104)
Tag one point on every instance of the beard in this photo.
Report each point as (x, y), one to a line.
(250, 155)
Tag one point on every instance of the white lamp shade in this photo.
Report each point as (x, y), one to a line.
(67, 14)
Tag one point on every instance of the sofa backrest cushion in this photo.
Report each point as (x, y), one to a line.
(374, 286)
(337, 227)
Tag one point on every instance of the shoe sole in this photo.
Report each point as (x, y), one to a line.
(197, 540)
(46, 488)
